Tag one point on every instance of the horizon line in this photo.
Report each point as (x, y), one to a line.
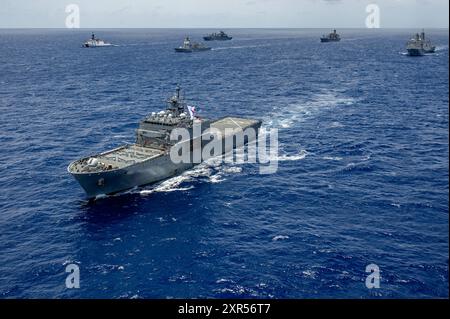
(284, 28)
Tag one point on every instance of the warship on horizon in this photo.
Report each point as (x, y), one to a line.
(332, 37)
(418, 45)
(94, 42)
(221, 36)
(189, 46)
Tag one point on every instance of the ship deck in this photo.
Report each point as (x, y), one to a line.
(132, 154)
(128, 155)
(116, 159)
(234, 123)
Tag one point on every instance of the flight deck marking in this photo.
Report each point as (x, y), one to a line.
(236, 123)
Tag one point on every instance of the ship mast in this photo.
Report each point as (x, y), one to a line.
(176, 104)
(178, 92)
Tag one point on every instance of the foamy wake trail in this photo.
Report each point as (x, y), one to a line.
(332, 158)
(212, 170)
(441, 47)
(172, 184)
(296, 157)
(288, 116)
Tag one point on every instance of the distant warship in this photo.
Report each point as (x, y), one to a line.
(148, 160)
(189, 46)
(221, 36)
(419, 46)
(332, 37)
(94, 42)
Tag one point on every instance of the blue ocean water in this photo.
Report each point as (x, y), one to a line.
(362, 179)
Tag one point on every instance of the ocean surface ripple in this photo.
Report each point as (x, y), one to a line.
(362, 177)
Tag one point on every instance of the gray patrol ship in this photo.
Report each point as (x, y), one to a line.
(419, 46)
(148, 159)
(332, 37)
(189, 46)
(221, 36)
(94, 42)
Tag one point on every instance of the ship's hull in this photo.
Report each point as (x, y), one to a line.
(87, 45)
(416, 52)
(329, 40)
(191, 50)
(217, 39)
(149, 171)
(419, 51)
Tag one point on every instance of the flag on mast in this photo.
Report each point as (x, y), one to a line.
(191, 110)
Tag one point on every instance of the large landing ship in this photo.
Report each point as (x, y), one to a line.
(148, 160)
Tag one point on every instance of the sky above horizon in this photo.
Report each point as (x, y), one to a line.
(224, 14)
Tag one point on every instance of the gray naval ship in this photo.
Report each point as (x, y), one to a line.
(189, 46)
(221, 36)
(418, 45)
(332, 37)
(148, 160)
(94, 42)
